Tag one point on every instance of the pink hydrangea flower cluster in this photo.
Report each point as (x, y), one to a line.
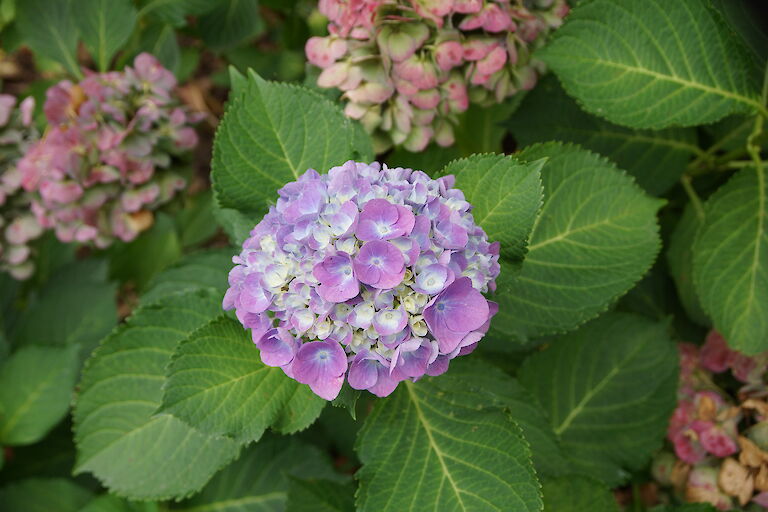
(409, 67)
(367, 274)
(719, 440)
(104, 163)
(18, 227)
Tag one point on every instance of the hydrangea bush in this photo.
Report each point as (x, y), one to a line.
(372, 275)
(18, 226)
(105, 161)
(407, 68)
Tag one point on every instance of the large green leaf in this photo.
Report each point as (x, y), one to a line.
(730, 261)
(271, 134)
(121, 439)
(218, 384)
(656, 159)
(197, 271)
(175, 11)
(230, 23)
(595, 237)
(43, 495)
(438, 444)
(506, 197)
(609, 389)
(320, 496)
(680, 261)
(77, 304)
(574, 493)
(49, 29)
(259, 480)
(160, 40)
(655, 63)
(36, 385)
(105, 26)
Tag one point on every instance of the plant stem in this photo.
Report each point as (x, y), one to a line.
(698, 207)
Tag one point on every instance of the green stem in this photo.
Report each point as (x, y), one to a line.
(698, 207)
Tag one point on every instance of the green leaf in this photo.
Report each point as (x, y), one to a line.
(656, 159)
(175, 11)
(259, 479)
(687, 507)
(105, 26)
(595, 237)
(116, 411)
(111, 503)
(680, 261)
(78, 305)
(431, 160)
(273, 133)
(320, 496)
(230, 23)
(143, 258)
(577, 494)
(160, 40)
(36, 385)
(506, 196)
(502, 390)
(49, 29)
(655, 63)
(348, 399)
(481, 130)
(437, 445)
(730, 261)
(205, 270)
(43, 495)
(236, 225)
(608, 389)
(196, 222)
(218, 384)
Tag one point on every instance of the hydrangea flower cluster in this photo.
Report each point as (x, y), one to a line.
(719, 439)
(103, 165)
(368, 273)
(18, 227)
(408, 67)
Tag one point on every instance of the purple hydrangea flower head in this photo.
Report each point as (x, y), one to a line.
(368, 274)
(407, 68)
(105, 162)
(18, 226)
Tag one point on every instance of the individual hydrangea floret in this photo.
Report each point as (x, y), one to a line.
(104, 163)
(367, 273)
(719, 429)
(18, 226)
(407, 68)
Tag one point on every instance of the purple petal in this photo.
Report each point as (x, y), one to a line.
(319, 361)
(363, 372)
(277, 347)
(385, 384)
(380, 264)
(382, 220)
(433, 279)
(390, 321)
(456, 311)
(328, 387)
(253, 297)
(337, 278)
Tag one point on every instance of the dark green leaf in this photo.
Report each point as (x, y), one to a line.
(205, 270)
(111, 503)
(609, 389)
(654, 64)
(230, 23)
(36, 385)
(656, 159)
(680, 261)
(160, 40)
(105, 26)
(49, 29)
(320, 496)
(577, 494)
(43, 495)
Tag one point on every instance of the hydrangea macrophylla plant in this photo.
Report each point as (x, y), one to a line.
(368, 273)
(18, 226)
(720, 447)
(408, 67)
(103, 165)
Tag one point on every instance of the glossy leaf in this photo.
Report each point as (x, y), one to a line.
(116, 411)
(654, 64)
(608, 389)
(730, 261)
(218, 384)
